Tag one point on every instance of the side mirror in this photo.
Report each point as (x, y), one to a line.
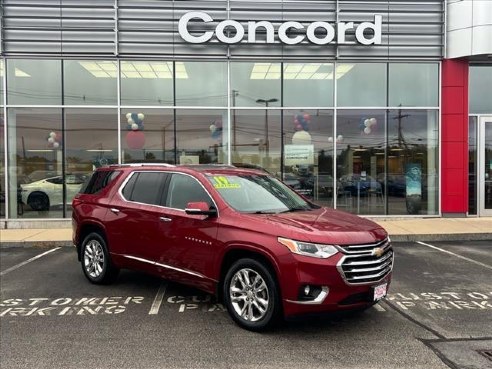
(200, 208)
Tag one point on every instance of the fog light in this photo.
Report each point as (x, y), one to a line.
(307, 289)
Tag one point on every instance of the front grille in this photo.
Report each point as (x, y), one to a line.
(362, 264)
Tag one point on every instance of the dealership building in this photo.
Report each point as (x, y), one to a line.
(376, 107)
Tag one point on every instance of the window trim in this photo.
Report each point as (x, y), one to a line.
(165, 189)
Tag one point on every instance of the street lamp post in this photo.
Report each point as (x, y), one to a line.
(266, 102)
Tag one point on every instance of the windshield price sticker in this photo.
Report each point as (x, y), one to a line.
(380, 291)
(222, 182)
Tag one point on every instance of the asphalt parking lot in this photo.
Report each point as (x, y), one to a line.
(438, 315)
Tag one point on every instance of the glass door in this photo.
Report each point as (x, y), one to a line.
(485, 166)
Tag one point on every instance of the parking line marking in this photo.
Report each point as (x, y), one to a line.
(27, 261)
(458, 256)
(156, 305)
(379, 308)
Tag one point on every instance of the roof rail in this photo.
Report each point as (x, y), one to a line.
(143, 165)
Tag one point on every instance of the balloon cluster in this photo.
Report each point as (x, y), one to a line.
(339, 139)
(135, 121)
(216, 129)
(301, 122)
(367, 125)
(54, 140)
(135, 139)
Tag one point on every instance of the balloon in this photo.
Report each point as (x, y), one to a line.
(367, 123)
(134, 126)
(301, 138)
(298, 127)
(367, 130)
(56, 145)
(330, 139)
(339, 138)
(307, 117)
(51, 140)
(141, 116)
(135, 140)
(212, 128)
(128, 116)
(53, 134)
(373, 121)
(130, 121)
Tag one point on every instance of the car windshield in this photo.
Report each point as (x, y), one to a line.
(260, 194)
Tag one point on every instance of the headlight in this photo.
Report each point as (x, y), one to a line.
(309, 249)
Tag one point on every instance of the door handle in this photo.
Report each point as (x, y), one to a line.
(114, 210)
(164, 219)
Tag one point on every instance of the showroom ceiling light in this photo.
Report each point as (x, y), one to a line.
(135, 69)
(18, 72)
(301, 71)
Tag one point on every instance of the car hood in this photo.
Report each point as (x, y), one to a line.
(323, 225)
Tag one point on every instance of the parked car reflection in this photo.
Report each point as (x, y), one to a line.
(42, 194)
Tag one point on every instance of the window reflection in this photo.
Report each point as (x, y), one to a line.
(2, 165)
(412, 182)
(361, 84)
(147, 135)
(91, 142)
(251, 82)
(90, 82)
(256, 139)
(413, 84)
(480, 82)
(201, 136)
(472, 166)
(34, 82)
(361, 161)
(308, 84)
(147, 83)
(201, 84)
(35, 163)
(308, 153)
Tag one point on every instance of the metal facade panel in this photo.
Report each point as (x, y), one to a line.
(149, 28)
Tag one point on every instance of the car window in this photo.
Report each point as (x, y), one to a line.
(184, 189)
(56, 180)
(98, 181)
(147, 187)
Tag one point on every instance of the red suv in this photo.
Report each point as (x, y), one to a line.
(239, 234)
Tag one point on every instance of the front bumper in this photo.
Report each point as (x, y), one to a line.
(325, 275)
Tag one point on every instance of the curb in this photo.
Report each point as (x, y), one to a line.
(39, 244)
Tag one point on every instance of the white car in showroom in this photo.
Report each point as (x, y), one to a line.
(45, 193)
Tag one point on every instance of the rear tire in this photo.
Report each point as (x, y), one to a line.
(96, 261)
(251, 295)
(39, 201)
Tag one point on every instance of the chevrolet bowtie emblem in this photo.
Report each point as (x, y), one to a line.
(378, 251)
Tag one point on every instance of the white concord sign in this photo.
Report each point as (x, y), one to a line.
(329, 33)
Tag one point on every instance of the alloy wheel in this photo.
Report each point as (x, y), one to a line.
(94, 258)
(249, 295)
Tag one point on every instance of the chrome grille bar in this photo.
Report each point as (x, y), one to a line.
(366, 264)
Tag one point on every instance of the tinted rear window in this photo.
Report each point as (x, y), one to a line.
(145, 187)
(98, 181)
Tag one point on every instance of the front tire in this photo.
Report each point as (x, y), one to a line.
(39, 201)
(96, 261)
(251, 295)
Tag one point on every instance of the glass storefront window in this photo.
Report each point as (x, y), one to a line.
(361, 84)
(472, 166)
(413, 84)
(308, 153)
(91, 142)
(412, 182)
(146, 83)
(201, 136)
(255, 84)
(2, 76)
(90, 82)
(35, 163)
(201, 83)
(360, 143)
(2, 165)
(308, 84)
(34, 82)
(480, 82)
(147, 135)
(256, 139)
